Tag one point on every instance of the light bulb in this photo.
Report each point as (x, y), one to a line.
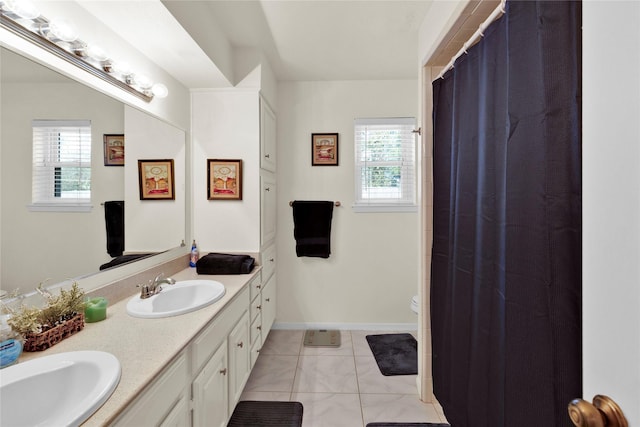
(23, 8)
(123, 68)
(143, 81)
(62, 30)
(97, 53)
(159, 90)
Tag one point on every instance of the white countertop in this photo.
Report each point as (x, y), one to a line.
(143, 346)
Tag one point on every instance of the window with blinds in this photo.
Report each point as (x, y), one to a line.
(61, 175)
(385, 164)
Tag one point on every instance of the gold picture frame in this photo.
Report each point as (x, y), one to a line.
(156, 179)
(224, 179)
(324, 149)
(113, 149)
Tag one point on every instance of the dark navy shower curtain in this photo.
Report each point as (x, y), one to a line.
(506, 262)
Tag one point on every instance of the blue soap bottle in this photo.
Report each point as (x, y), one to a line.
(10, 344)
(194, 255)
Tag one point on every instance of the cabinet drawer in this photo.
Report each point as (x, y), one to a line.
(215, 333)
(256, 307)
(256, 328)
(255, 352)
(255, 286)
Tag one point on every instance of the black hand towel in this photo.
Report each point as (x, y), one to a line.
(114, 221)
(312, 228)
(216, 263)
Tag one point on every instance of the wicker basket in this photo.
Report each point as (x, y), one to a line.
(47, 339)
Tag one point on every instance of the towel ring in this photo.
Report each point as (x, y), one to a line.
(336, 203)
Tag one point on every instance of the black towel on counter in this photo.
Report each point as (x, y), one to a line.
(312, 228)
(217, 263)
(114, 221)
(123, 259)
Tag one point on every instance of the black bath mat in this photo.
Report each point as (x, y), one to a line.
(396, 354)
(253, 413)
(407, 425)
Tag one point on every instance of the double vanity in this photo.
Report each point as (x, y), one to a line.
(185, 369)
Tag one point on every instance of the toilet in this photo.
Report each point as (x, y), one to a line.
(414, 304)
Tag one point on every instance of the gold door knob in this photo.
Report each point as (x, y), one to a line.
(604, 412)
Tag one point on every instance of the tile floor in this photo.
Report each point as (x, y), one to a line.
(337, 386)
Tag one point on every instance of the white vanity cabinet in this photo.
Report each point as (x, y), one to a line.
(210, 391)
(165, 401)
(203, 384)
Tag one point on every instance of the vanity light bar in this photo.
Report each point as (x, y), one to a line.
(77, 52)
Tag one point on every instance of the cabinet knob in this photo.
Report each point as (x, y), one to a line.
(266, 156)
(223, 371)
(272, 260)
(240, 344)
(259, 328)
(259, 307)
(258, 286)
(267, 299)
(267, 189)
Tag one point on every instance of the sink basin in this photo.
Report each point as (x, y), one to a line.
(58, 390)
(183, 297)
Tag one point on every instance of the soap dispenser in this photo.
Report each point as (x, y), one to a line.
(194, 254)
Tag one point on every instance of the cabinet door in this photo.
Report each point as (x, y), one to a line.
(267, 209)
(239, 359)
(268, 306)
(210, 398)
(161, 402)
(179, 415)
(267, 137)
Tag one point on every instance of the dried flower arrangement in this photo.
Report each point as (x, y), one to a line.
(62, 316)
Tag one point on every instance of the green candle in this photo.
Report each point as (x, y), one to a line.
(95, 309)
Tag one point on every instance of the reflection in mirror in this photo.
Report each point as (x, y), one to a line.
(56, 246)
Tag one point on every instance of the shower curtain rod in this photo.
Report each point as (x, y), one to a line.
(497, 13)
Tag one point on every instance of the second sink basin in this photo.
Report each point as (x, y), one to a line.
(183, 297)
(57, 390)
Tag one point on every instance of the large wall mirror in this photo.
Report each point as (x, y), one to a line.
(56, 246)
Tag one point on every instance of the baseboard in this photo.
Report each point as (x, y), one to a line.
(348, 326)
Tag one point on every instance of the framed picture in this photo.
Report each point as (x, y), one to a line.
(156, 179)
(224, 179)
(324, 149)
(113, 150)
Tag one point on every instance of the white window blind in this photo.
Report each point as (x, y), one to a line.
(385, 164)
(61, 175)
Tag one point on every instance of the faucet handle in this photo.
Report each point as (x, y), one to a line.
(145, 292)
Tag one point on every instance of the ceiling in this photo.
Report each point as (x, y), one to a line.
(301, 39)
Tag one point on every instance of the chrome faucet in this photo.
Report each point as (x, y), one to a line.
(154, 287)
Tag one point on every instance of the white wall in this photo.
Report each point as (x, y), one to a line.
(373, 269)
(226, 125)
(61, 245)
(611, 208)
(153, 225)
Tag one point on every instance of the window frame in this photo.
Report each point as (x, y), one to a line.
(406, 203)
(43, 182)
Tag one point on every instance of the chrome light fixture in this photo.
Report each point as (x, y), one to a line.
(22, 18)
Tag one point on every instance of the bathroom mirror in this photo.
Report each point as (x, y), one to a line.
(56, 246)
